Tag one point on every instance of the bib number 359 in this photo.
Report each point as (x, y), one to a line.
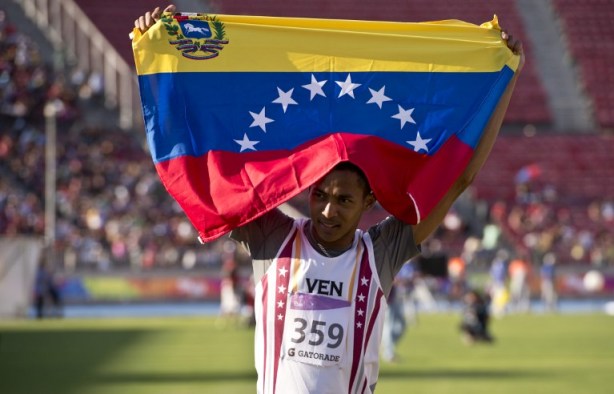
(319, 332)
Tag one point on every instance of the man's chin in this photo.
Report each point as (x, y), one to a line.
(326, 238)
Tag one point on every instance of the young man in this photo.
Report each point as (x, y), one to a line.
(321, 282)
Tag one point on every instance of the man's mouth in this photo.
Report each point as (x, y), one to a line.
(327, 225)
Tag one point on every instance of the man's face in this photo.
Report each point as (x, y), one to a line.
(336, 204)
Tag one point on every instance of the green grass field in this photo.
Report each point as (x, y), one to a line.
(533, 354)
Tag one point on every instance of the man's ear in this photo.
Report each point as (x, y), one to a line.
(370, 201)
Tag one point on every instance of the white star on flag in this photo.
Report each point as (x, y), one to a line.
(260, 119)
(378, 97)
(404, 116)
(347, 87)
(419, 143)
(315, 87)
(282, 271)
(280, 304)
(285, 98)
(246, 143)
(282, 289)
(361, 298)
(359, 324)
(280, 317)
(364, 281)
(361, 312)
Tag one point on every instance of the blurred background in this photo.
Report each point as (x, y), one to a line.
(78, 189)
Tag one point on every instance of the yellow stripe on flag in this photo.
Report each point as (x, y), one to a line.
(270, 44)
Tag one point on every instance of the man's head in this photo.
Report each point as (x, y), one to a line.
(336, 204)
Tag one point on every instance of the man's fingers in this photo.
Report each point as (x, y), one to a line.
(148, 20)
(515, 46)
(155, 15)
(140, 23)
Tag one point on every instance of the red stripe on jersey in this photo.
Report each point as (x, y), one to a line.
(281, 295)
(361, 304)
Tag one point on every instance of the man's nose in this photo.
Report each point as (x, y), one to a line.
(329, 210)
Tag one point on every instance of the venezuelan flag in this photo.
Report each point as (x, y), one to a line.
(242, 113)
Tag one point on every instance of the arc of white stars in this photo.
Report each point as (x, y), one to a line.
(315, 87)
(420, 143)
(404, 116)
(347, 87)
(285, 98)
(246, 143)
(260, 119)
(378, 97)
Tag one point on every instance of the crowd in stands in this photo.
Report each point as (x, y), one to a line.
(111, 209)
(541, 221)
(113, 213)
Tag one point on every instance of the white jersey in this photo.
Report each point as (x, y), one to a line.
(319, 320)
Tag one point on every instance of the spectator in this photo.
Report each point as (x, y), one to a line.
(548, 283)
(475, 318)
(46, 291)
(520, 294)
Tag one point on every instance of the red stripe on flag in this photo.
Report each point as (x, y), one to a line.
(220, 191)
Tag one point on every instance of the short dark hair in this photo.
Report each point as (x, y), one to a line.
(362, 178)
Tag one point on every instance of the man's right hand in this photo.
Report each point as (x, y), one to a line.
(146, 21)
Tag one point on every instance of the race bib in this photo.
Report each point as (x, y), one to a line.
(315, 330)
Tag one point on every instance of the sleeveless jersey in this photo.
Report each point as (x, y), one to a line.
(318, 319)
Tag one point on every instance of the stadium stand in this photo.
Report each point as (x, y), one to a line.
(115, 23)
(589, 28)
(114, 214)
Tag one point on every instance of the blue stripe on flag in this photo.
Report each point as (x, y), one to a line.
(193, 113)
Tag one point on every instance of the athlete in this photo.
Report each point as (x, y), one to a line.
(321, 282)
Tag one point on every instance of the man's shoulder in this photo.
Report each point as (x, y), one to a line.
(389, 227)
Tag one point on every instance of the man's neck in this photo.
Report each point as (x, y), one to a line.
(324, 251)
